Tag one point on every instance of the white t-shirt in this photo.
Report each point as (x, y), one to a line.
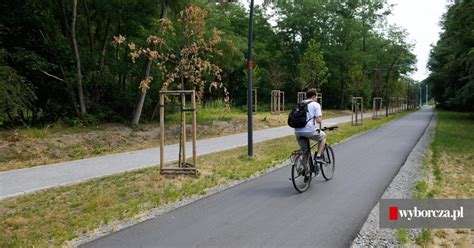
(314, 110)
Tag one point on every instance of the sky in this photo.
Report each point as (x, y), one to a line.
(421, 19)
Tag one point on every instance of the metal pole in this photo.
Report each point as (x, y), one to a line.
(408, 94)
(249, 85)
(420, 95)
(426, 103)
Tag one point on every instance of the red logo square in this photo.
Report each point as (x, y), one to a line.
(393, 215)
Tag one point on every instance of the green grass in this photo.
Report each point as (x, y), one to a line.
(421, 190)
(204, 115)
(54, 216)
(452, 149)
(450, 165)
(454, 132)
(424, 238)
(452, 155)
(402, 236)
(35, 133)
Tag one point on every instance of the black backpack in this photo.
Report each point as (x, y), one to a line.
(297, 116)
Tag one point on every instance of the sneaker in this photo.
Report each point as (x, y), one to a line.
(317, 162)
(306, 178)
(316, 170)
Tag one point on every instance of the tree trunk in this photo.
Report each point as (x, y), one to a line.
(164, 14)
(22, 116)
(89, 30)
(104, 45)
(141, 100)
(157, 107)
(33, 114)
(65, 19)
(9, 115)
(78, 58)
(386, 93)
(164, 9)
(387, 90)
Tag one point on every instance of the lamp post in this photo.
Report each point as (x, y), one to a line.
(420, 94)
(426, 103)
(387, 77)
(249, 85)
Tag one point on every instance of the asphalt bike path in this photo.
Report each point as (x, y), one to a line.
(22, 181)
(268, 212)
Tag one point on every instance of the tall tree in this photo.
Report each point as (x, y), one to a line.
(80, 89)
(452, 59)
(16, 95)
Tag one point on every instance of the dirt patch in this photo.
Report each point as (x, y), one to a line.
(452, 238)
(458, 180)
(20, 150)
(456, 183)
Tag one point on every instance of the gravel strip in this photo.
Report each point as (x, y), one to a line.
(402, 187)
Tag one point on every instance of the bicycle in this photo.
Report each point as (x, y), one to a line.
(303, 171)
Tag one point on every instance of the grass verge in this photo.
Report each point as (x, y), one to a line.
(52, 217)
(402, 236)
(450, 167)
(29, 147)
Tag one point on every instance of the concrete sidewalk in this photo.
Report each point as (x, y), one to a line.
(23, 181)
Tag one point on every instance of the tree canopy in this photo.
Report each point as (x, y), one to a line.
(52, 52)
(452, 59)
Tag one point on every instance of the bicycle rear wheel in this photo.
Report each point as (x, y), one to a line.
(300, 172)
(329, 166)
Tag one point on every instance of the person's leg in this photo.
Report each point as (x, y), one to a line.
(318, 136)
(303, 142)
(321, 139)
(321, 146)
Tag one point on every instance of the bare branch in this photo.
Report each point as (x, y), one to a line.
(50, 75)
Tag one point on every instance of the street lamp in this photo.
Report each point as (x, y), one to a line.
(249, 85)
(385, 90)
(420, 94)
(426, 103)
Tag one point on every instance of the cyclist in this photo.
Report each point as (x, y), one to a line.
(310, 131)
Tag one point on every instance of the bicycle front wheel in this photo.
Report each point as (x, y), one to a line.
(300, 172)
(329, 166)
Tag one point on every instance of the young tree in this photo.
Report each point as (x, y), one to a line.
(356, 77)
(190, 66)
(312, 70)
(275, 76)
(152, 54)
